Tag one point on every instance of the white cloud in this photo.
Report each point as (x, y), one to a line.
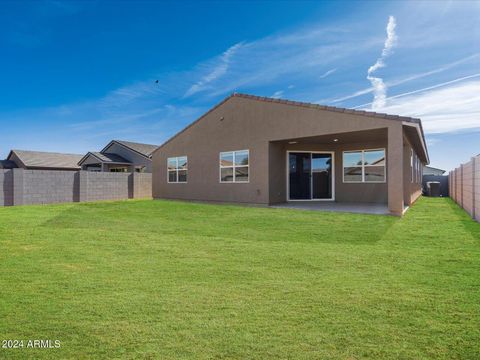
(327, 73)
(432, 141)
(404, 80)
(423, 89)
(446, 109)
(127, 94)
(277, 94)
(379, 87)
(300, 55)
(218, 70)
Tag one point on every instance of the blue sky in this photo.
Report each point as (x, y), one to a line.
(75, 75)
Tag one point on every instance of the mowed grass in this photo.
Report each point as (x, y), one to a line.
(175, 280)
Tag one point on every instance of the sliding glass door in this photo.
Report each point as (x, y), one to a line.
(310, 176)
(300, 173)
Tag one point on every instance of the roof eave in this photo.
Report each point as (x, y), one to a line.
(18, 157)
(126, 147)
(421, 136)
(84, 158)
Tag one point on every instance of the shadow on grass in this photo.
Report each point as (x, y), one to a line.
(465, 219)
(224, 222)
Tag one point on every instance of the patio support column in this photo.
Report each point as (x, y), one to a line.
(395, 169)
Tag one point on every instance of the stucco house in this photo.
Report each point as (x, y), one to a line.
(250, 149)
(120, 156)
(430, 170)
(41, 160)
(117, 156)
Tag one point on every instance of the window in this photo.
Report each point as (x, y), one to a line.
(234, 166)
(118, 169)
(416, 166)
(177, 169)
(364, 166)
(419, 171)
(411, 165)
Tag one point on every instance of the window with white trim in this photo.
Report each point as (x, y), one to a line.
(177, 168)
(234, 166)
(416, 165)
(364, 166)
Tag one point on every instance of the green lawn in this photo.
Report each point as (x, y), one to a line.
(173, 280)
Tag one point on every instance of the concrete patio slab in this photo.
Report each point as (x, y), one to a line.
(359, 208)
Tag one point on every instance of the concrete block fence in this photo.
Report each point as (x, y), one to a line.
(464, 186)
(26, 187)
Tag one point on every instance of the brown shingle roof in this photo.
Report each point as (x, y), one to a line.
(144, 149)
(328, 108)
(40, 159)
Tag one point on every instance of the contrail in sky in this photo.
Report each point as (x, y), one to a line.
(379, 87)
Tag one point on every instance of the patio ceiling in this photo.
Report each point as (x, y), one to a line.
(341, 138)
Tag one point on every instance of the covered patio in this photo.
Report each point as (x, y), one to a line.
(100, 162)
(358, 208)
(362, 171)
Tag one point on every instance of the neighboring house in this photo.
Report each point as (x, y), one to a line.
(120, 156)
(39, 160)
(251, 149)
(428, 170)
(7, 164)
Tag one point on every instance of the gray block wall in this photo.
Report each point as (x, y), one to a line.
(25, 187)
(49, 187)
(6, 187)
(107, 186)
(142, 185)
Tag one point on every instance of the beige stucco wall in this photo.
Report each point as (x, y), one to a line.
(412, 189)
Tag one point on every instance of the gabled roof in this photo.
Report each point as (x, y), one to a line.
(41, 159)
(329, 108)
(434, 168)
(105, 158)
(143, 149)
(414, 121)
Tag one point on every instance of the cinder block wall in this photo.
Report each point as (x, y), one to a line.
(25, 187)
(142, 185)
(49, 187)
(6, 187)
(107, 186)
(466, 186)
